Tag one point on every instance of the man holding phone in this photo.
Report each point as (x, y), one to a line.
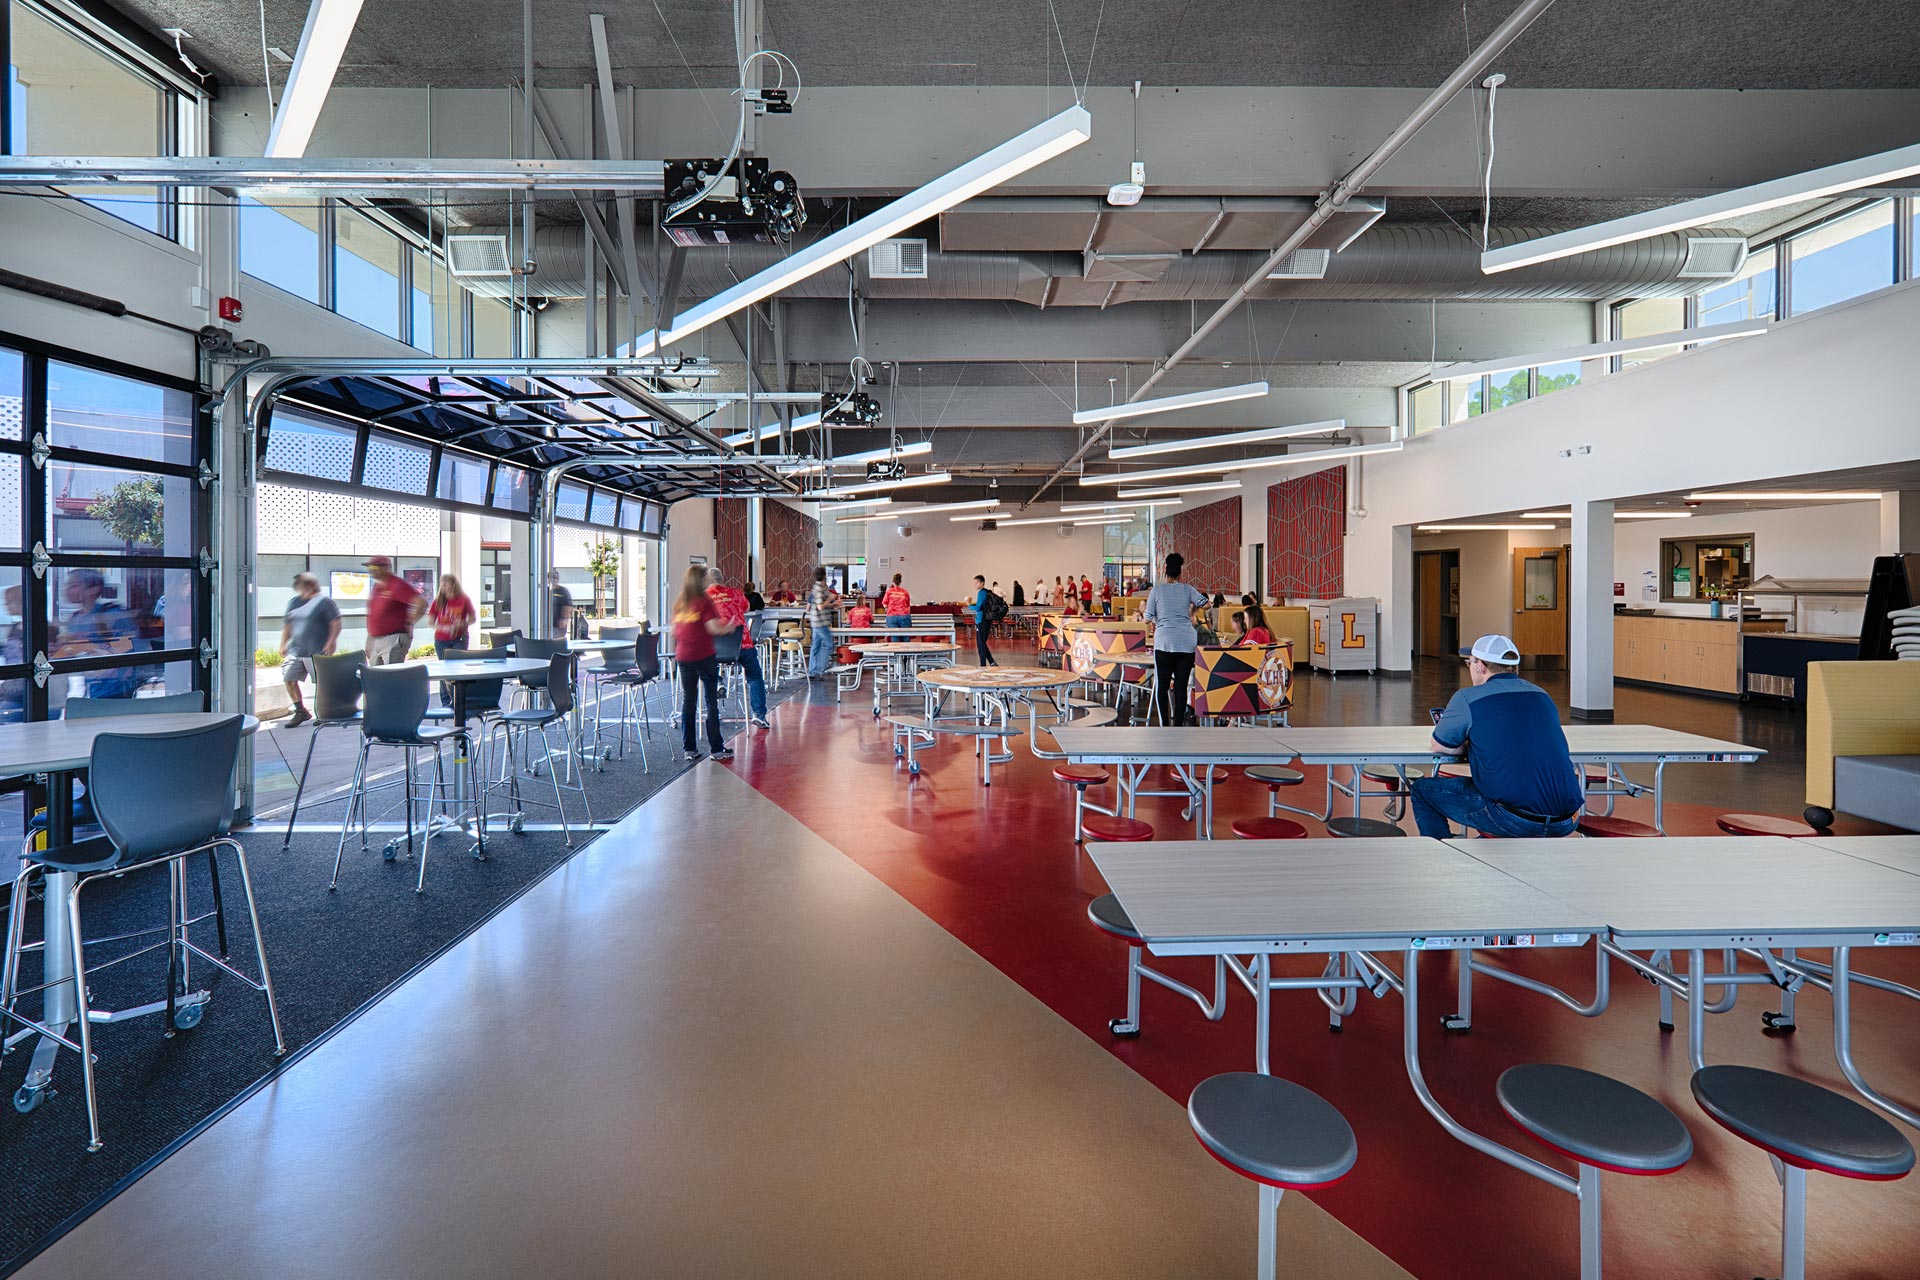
(1524, 782)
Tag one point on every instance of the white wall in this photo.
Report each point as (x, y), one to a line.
(1486, 576)
(1837, 540)
(1827, 391)
(689, 534)
(938, 562)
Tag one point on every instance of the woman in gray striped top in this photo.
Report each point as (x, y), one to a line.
(1170, 609)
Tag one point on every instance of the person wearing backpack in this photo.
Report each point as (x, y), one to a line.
(983, 618)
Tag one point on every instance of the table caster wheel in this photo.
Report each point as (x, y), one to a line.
(26, 1098)
(1455, 1023)
(517, 824)
(898, 752)
(1776, 1024)
(914, 768)
(1119, 1028)
(187, 1016)
(390, 851)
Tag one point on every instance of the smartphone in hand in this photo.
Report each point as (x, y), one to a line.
(1436, 713)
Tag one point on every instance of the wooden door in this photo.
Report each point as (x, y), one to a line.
(1540, 601)
(1430, 588)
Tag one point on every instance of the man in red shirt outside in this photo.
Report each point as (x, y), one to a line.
(731, 604)
(1106, 595)
(1086, 594)
(897, 605)
(392, 609)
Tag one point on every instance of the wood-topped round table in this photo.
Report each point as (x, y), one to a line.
(59, 749)
(903, 664)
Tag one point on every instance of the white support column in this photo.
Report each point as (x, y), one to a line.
(524, 601)
(1396, 611)
(1899, 522)
(756, 542)
(1590, 629)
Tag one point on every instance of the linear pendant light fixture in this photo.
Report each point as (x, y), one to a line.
(1618, 515)
(1482, 528)
(1786, 495)
(1181, 492)
(915, 450)
(1849, 175)
(1166, 404)
(323, 41)
(903, 513)
(981, 174)
(1111, 508)
(1006, 524)
(1229, 438)
(881, 486)
(1246, 464)
(1595, 350)
(802, 423)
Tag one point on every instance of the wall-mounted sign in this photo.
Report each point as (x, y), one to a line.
(349, 587)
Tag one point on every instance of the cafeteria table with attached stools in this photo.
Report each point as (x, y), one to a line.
(1192, 753)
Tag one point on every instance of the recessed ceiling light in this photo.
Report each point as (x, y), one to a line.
(1789, 495)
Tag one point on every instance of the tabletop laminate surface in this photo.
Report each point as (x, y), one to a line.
(45, 746)
(1179, 744)
(1230, 890)
(1711, 884)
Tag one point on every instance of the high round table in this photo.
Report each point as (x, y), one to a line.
(59, 749)
(991, 690)
(903, 664)
(458, 674)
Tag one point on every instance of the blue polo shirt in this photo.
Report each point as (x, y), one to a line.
(1514, 742)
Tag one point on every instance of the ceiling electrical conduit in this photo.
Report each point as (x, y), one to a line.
(1325, 206)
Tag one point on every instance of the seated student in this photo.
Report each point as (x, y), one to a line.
(861, 615)
(1524, 782)
(1252, 625)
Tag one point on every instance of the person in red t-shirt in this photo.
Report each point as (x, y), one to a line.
(392, 609)
(453, 616)
(1106, 595)
(696, 621)
(897, 605)
(733, 606)
(1086, 594)
(861, 615)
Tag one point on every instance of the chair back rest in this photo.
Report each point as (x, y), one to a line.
(619, 633)
(336, 685)
(165, 705)
(560, 669)
(646, 656)
(482, 695)
(502, 638)
(396, 702)
(789, 630)
(726, 646)
(158, 793)
(539, 649)
(622, 659)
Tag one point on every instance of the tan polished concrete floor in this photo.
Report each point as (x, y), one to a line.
(710, 1045)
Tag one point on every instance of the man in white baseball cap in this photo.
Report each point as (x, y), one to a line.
(1524, 782)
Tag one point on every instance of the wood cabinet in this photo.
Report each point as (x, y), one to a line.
(1690, 653)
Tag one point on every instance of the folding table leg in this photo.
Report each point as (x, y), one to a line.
(1269, 1230)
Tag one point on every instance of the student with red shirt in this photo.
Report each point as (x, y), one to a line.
(392, 609)
(1106, 595)
(1086, 594)
(1252, 625)
(453, 616)
(860, 615)
(695, 623)
(734, 605)
(897, 605)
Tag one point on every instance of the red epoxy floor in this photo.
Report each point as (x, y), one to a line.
(996, 866)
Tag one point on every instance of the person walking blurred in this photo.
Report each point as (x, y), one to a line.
(312, 628)
(453, 616)
(820, 606)
(695, 623)
(392, 609)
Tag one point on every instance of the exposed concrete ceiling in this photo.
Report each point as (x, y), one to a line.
(1627, 44)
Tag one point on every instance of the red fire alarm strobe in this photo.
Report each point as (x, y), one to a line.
(230, 309)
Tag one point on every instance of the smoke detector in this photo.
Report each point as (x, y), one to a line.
(1064, 530)
(1123, 194)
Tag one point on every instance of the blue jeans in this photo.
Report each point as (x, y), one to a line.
(1437, 799)
(756, 681)
(821, 655)
(899, 620)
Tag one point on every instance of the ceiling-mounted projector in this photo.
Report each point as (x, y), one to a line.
(858, 409)
(1122, 194)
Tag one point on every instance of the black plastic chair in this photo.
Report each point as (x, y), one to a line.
(645, 671)
(160, 798)
(336, 705)
(727, 650)
(516, 725)
(395, 703)
(540, 651)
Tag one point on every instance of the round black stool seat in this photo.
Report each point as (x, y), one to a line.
(1595, 1119)
(1391, 773)
(1803, 1123)
(1275, 775)
(1272, 1130)
(1107, 914)
(1362, 829)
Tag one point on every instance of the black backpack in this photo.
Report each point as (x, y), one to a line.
(996, 607)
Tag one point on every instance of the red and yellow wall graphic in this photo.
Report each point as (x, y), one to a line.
(1306, 536)
(1209, 537)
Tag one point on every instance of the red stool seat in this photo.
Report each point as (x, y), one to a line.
(1596, 773)
(1454, 771)
(1615, 828)
(1080, 774)
(1101, 826)
(1268, 829)
(1762, 824)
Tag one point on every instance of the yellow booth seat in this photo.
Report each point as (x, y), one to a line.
(1858, 709)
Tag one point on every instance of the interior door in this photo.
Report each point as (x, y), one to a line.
(1540, 601)
(1430, 593)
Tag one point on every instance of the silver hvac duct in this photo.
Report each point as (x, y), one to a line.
(1388, 262)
